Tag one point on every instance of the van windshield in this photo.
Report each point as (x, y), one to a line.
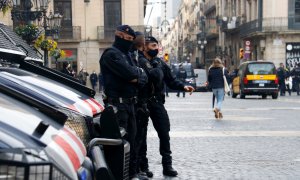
(261, 68)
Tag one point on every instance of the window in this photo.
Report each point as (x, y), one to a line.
(112, 16)
(297, 11)
(261, 69)
(64, 7)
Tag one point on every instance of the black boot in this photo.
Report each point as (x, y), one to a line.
(168, 170)
(138, 177)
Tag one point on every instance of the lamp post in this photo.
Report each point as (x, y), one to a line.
(22, 11)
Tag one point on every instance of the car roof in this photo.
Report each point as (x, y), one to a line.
(258, 62)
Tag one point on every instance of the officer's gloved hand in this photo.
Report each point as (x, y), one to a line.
(143, 78)
(155, 62)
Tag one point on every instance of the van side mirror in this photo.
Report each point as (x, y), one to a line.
(196, 75)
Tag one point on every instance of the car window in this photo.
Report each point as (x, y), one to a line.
(261, 68)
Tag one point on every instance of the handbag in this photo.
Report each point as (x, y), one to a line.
(226, 86)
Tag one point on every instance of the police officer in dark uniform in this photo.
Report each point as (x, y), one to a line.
(142, 112)
(159, 73)
(121, 79)
(281, 78)
(296, 73)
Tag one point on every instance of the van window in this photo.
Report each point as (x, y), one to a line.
(261, 68)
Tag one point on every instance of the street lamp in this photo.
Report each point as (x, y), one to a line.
(22, 11)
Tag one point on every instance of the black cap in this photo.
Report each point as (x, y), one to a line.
(126, 29)
(151, 39)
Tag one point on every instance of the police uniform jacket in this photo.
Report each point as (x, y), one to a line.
(158, 73)
(118, 70)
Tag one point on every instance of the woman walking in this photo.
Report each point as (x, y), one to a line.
(216, 82)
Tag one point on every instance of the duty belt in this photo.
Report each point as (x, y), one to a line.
(132, 100)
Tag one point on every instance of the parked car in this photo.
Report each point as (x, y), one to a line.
(256, 78)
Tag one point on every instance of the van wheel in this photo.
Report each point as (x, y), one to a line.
(264, 96)
(275, 96)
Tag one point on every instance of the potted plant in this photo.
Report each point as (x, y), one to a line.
(28, 32)
(45, 44)
(57, 53)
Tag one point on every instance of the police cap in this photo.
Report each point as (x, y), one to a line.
(126, 29)
(151, 39)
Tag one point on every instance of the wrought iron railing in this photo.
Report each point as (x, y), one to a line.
(269, 25)
(70, 33)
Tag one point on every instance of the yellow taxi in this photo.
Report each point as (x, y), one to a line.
(256, 78)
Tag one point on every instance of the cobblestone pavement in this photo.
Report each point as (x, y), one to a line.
(257, 139)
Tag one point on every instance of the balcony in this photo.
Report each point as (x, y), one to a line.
(267, 25)
(231, 26)
(70, 34)
(107, 34)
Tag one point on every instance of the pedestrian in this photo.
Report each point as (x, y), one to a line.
(181, 75)
(121, 79)
(94, 80)
(101, 83)
(216, 82)
(67, 69)
(288, 81)
(160, 73)
(82, 76)
(296, 74)
(281, 74)
(142, 112)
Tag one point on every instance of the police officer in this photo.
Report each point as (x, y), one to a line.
(121, 80)
(281, 78)
(296, 73)
(142, 113)
(159, 73)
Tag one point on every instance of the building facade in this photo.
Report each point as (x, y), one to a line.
(262, 29)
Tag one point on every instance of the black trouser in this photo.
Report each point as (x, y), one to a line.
(183, 93)
(287, 87)
(161, 123)
(126, 119)
(282, 87)
(141, 143)
(297, 82)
